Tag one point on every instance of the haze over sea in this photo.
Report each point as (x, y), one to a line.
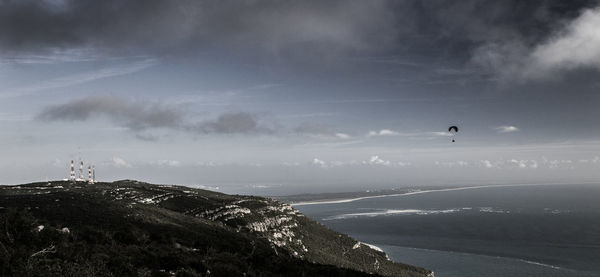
(528, 230)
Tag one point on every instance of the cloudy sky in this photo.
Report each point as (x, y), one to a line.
(301, 95)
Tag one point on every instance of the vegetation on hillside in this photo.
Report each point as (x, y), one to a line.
(129, 228)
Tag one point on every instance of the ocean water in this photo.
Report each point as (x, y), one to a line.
(529, 230)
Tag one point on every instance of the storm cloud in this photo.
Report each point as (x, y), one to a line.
(456, 30)
(142, 115)
(157, 26)
(133, 115)
(231, 123)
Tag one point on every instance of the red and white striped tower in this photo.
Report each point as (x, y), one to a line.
(90, 175)
(81, 170)
(72, 177)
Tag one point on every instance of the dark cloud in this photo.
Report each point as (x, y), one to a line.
(170, 26)
(450, 29)
(231, 123)
(38, 25)
(140, 116)
(133, 115)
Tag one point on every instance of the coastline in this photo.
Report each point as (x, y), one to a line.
(550, 256)
(516, 259)
(443, 262)
(348, 200)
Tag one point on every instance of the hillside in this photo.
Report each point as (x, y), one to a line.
(130, 228)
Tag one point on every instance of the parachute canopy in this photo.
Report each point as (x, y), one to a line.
(453, 130)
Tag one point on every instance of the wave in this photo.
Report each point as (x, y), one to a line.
(540, 264)
(394, 212)
(492, 210)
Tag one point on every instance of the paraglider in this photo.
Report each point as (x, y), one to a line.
(453, 130)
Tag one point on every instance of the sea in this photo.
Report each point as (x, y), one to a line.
(510, 230)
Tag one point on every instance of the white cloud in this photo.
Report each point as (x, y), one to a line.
(452, 164)
(388, 132)
(498, 164)
(576, 45)
(210, 164)
(523, 163)
(372, 161)
(487, 164)
(375, 160)
(383, 132)
(342, 136)
(519, 163)
(119, 162)
(439, 134)
(506, 129)
(319, 163)
(533, 164)
(171, 163)
(564, 163)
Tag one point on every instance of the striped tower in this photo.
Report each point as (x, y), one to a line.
(72, 177)
(90, 181)
(81, 170)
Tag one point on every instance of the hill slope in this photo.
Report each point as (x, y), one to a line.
(129, 228)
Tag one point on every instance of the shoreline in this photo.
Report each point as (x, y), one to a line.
(348, 200)
(510, 258)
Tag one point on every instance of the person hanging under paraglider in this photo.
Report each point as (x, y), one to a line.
(453, 130)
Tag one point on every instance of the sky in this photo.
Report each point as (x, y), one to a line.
(301, 96)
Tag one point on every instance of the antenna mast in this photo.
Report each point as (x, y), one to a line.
(81, 170)
(72, 177)
(89, 174)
